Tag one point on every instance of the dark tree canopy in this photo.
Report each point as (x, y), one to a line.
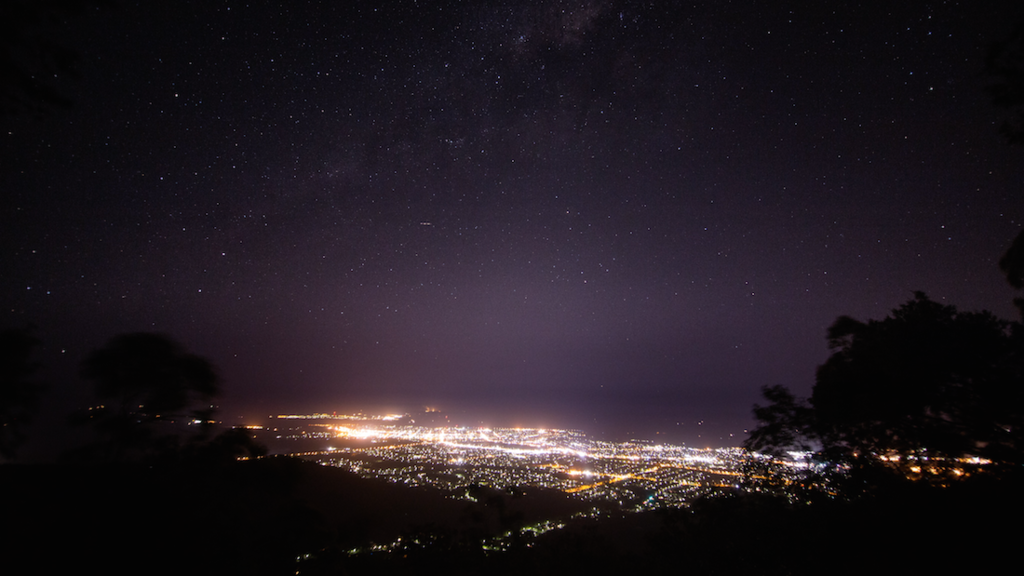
(1006, 65)
(1012, 264)
(35, 59)
(149, 374)
(783, 423)
(142, 380)
(926, 380)
(19, 391)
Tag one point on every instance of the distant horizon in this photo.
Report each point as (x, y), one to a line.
(661, 428)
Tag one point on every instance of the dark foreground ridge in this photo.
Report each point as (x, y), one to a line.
(287, 516)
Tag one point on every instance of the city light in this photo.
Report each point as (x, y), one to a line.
(635, 475)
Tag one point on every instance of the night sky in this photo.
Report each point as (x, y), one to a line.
(620, 216)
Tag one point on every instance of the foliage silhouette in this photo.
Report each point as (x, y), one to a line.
(155, 404)
(1012, 265)
(149, 373)
(927, 381)
(228, 446)
(1005, 63)
(784, 423)
(35, 58)
(32, 55)
(19, 392)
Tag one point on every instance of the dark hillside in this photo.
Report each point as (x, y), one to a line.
(252, 517)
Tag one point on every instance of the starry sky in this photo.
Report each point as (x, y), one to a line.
(620, 216)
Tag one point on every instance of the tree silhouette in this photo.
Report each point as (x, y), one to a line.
(927, 381)
(1005, 63)
(19, 392)
(150, 390)
(1012, 265)
(784, 423)
(228, 446)
(927, 378)
(34, 58)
